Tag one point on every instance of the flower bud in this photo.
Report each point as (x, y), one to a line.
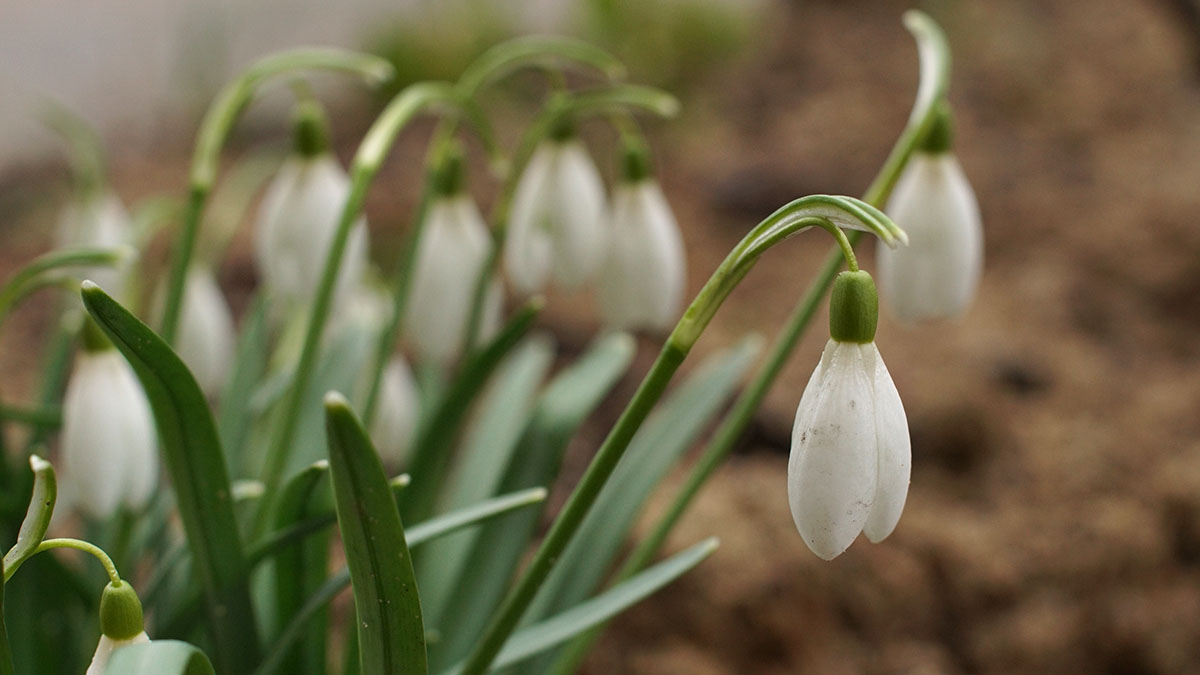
(641, 283)
(97, 220)
(296, 225)
(556, 228)
(206, 333)
(108, 446)
(937, 274)
(121, 624)
(395, 421)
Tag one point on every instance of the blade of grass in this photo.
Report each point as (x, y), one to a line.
(193, 457)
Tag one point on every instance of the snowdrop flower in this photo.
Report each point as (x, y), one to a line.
(100, 220)
(556, 228)
(206, 333)
(299, 217)
(851, 456)
(641, 282)
(451, 254)
(108, 444)
(121, 624)
(395, 421)
(937, 274)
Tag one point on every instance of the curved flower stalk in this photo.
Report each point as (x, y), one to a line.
(206, 332)
(394, 428)
(299, 217)
(851, 456)
(97, 220)
(642, 279)
(557, 223)
(121, 624)
(453, 248)
(109, 456)
(937, 275)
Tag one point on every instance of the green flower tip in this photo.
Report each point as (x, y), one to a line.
(94, 339)
(563, 129)
(120, 611)
(940, 138)
(636, 164)
(310, 129)
(449, 177)
(853, 308)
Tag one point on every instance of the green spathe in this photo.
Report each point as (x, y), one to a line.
(120, 611)
(853, 308)
(310, 129)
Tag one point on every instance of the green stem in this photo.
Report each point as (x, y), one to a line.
(814, 211)
(87, 547)
(367, 162)
(214, 131)
(37, 273)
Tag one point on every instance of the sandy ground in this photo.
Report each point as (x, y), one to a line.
(1053, 524)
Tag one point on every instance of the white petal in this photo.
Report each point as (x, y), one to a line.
(832, 469)
(641, 282)
(895, 456)
(206, 332)
(577, 212)
(106, 647)
(937, 274)
(295, 228)
(450, 256)
(528, 249)
(108, 437)
(396, 417)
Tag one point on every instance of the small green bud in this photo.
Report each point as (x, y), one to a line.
(853, 308)
(120, 611)
(94, 339)
(635, 161)
(563, 129)
(310, 129)
(940, 138)
(448, 175)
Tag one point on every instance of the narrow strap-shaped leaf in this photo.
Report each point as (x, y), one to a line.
(391, 635)
(300, 570)
(37, 518)
(431, 458)
(417, 535)
(667, 434)
(193, 457)
(564, 404)
(6, 660)
(249, 364)
(487, 450)
(161, 657)
(562, 627)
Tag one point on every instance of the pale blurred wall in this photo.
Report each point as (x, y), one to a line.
(133, 66)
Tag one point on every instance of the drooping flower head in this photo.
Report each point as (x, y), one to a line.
(97, 218)
(451, 254)
(395, 421)
(206, 333)
(121, 624)
(937, 274)
(642, 280)
(109, 443)
(851, 456)
(556, 229)
(299, 215)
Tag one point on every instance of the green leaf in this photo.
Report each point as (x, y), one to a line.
(503, 413)
(417, 535)
(249, 365)
(431, 456)
(37, 518)
(38, 273)
(160, 657)
(553, 631)
(193, 457)
(391, 635)
(562, 407)
(6, 660)
(667, 434)
(299, 569)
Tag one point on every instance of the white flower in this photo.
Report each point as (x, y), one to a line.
(395, 420)
(109, 444)
(937, 274)
(851, 455)
(296, 225)
(641, 283)
(450, 257)
(107, 646)
(557, 223)
(99, 221)
(206, 333)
